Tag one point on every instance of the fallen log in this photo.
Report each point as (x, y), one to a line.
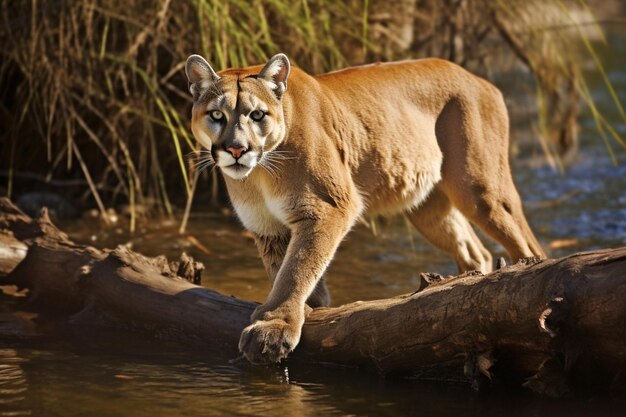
(546, 324)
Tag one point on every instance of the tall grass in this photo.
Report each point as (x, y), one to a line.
(95, 89)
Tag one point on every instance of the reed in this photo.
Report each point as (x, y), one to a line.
(95, 89)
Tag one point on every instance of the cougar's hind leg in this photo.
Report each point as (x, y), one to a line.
(500, 215)
(446, 228)
(476, 175)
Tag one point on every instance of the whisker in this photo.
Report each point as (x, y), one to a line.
(197, 158)
(266, 161)
(274, 161)
(271, 163)
(267, 170)
(199, 153)
(270, 166)
(204, 168)
(271, 169)
(207, 157)
(278, 156)
(272, 156)
(206, 162)
(268, 158)
(203, 163)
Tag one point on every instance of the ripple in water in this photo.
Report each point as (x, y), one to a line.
(13, 385)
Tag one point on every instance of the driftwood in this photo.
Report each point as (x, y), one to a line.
(545, 324)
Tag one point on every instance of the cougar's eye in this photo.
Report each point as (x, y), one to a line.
(216, 115)
(257, 115)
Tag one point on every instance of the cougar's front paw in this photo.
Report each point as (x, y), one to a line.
(259, 313)
(269, 341)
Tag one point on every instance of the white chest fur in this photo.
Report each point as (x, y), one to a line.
(261, 213)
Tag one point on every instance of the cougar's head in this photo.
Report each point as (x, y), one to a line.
(238, 114)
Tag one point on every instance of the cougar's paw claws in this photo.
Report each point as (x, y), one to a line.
(266, 342)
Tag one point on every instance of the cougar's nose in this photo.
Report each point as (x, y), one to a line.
(236, 151)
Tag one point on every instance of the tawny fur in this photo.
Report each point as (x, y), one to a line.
(425, 138)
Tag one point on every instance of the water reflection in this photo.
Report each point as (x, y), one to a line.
(13, 385)
(58, 383)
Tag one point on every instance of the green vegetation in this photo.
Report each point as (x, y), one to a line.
(94, 91)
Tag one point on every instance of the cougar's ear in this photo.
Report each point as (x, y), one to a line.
(275, 73)
(200, 75)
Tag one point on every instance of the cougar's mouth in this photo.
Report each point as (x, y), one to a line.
(237, 168)
(237, 165)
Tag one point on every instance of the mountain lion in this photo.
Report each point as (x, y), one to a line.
(305, 157)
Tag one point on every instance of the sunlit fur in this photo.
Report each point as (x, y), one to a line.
(424, 138)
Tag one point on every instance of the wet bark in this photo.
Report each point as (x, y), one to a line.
(545, 324)
(12, 252)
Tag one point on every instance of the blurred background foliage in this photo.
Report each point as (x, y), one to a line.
(95, 102)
